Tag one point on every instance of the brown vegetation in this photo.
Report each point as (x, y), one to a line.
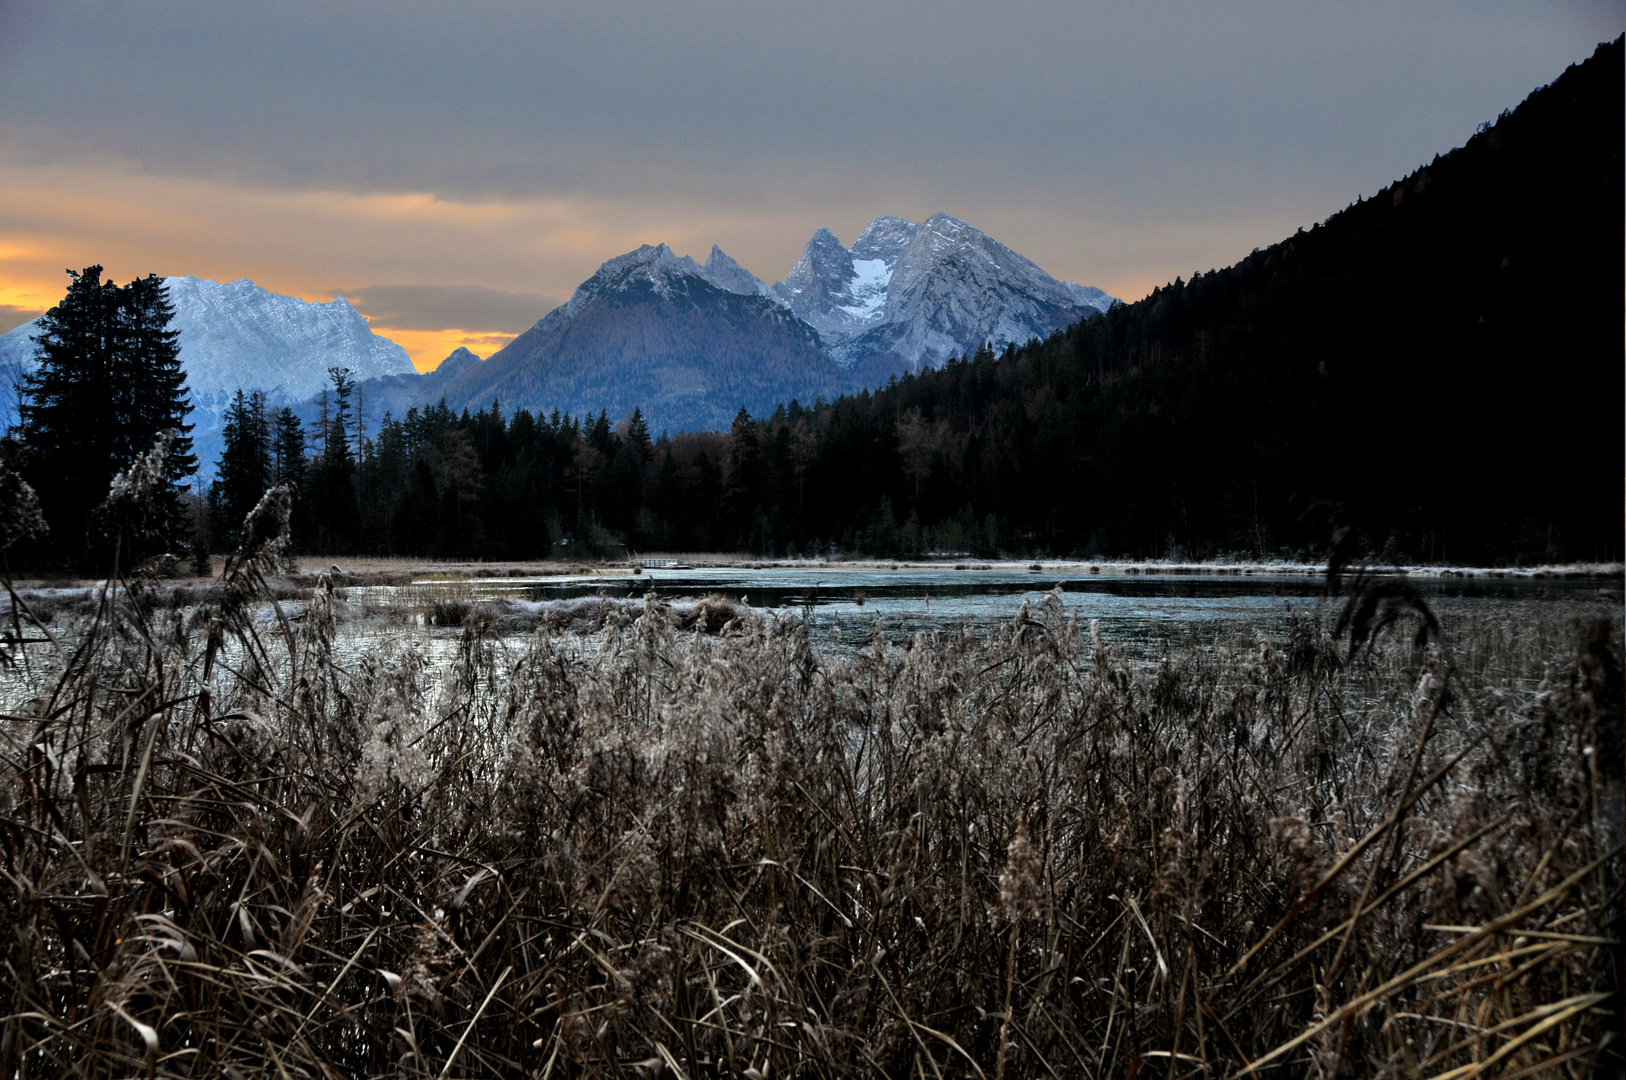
(224, 854)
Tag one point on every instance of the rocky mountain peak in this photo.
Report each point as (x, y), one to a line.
(819, 287)
(458, 360)
(662, 269)
(911, 295)
(886, 238)
(730, 276)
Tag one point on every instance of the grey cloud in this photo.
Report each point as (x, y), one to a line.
(451, 307)
(1177, 108)
(13, 317)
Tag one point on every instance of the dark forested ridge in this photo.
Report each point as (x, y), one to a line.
(1439, 366)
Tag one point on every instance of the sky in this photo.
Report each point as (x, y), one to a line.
(457, 169)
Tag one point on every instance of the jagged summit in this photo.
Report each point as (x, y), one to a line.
(820, 288)
(730, 276)
(662, 270)
(690, 342)
(912, 295)
(235, 334)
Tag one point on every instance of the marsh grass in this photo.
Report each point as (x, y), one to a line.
(711, 847)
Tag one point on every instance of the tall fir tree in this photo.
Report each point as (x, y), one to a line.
(289, 448)
(334, 512)
(108, 383)
(67, 414)
(246, 466)
(149, 353)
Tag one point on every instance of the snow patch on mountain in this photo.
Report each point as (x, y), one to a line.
(868, 288)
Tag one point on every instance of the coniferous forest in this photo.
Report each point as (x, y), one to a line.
(1438, 368)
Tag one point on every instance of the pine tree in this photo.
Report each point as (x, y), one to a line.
(67, 413)
(289, 448)
(245, 468)
(109, 383)
(151, 353)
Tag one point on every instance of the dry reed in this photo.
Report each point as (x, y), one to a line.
(737, 853)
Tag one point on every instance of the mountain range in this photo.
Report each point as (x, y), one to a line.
(690, 343)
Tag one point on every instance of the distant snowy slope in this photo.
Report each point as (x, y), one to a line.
(236, 335)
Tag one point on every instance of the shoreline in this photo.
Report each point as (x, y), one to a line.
(378, 570)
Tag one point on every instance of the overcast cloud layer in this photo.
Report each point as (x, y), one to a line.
(462, 167)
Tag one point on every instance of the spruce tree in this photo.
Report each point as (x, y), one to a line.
(337, 448)
(244, 470)
(289, 448)
(151, 354)
(109, 383)
(66, 411)
(638, 434)
(333, 481)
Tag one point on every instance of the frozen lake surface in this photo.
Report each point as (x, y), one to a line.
(1149, 613)
(1142, 611)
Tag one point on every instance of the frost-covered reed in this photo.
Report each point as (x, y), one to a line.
(710, 846)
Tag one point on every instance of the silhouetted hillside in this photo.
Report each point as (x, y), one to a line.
(1442, 361)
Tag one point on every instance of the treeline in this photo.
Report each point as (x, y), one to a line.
(1437, 368)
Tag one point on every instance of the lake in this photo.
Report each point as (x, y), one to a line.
(1142, 610)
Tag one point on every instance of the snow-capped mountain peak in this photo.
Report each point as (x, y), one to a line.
(920, 293)
(660, 267)
(237, 335)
